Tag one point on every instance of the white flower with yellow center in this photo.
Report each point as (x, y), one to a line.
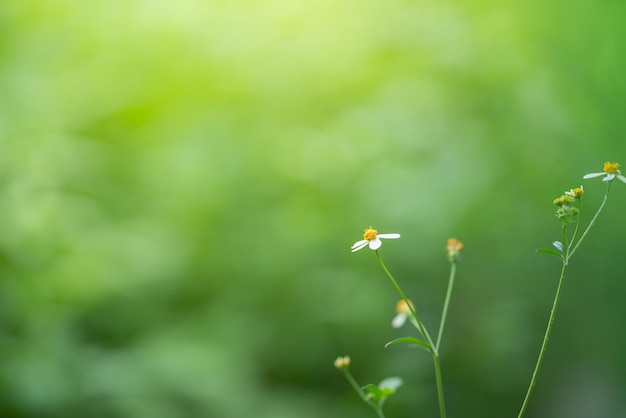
(611, 170)
(576, 192)
(372, 237)
(403, 312)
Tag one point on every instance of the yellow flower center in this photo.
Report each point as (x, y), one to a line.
(402, 307)
(611, 168)
(454, 246)
(577, 191)
(563, 200)
(370, 234)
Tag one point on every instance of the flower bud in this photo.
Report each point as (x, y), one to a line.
(342, 363)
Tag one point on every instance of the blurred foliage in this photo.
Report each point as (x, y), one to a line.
(181, 182)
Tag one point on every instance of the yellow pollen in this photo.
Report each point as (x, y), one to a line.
(370, 234)
(611, 168)
(563, 200)
(402, 307)
(454, 245)
(577, 191)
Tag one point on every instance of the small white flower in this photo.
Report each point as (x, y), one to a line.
(403, 312)
(372, 237)
(611, 170)
(576, 192)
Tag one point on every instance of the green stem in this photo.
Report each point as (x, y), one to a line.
(361, 392)
(442, 404)
(445, 304)
(419, 323)
(566, 250)
(433, 349)
(545, 341)
(567, 255)
(593, 221)
(565, 246)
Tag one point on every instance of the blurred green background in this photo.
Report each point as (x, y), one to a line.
(180, 184)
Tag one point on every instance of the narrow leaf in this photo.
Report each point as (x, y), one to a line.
(549, 251)
(410, 340)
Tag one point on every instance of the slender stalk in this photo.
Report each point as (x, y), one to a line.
(565, 246)
(354, 384)
(545, 341)
(593, 221)
(419, 323)
(567, 255)
(433, 349)
(361, 392)
(442, 403)
(580, 214)
(445, 304)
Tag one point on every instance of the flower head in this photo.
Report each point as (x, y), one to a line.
(372, 237)
(402, 313)
(342, 363)
(453, 249)
(610, 171)
(566, 212)
(563, 200)
(575, 192)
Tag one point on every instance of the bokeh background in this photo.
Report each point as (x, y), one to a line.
(180, 184)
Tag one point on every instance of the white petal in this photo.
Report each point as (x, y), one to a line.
(592, 175)
(622, 178)
(359, 243)
(398, 320)
(392, 383)
(388, 236)
(609, 177)
(375, 243)
(363, 245)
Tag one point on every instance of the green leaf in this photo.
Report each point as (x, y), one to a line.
(374, 393)
(378, 394)
(549, 251)
(410, 340)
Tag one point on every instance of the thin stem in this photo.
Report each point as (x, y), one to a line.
(545, 341)
(565, 246)
(360, 391)
(567, 255)
(442, 404)
(433, 349)
(419, 323)
(354, 384)
(580, 214)
(445, 304)
(593, 221)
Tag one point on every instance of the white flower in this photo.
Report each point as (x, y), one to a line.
(610, 171)
(372, 237)
(576, 192)
(403, 313)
